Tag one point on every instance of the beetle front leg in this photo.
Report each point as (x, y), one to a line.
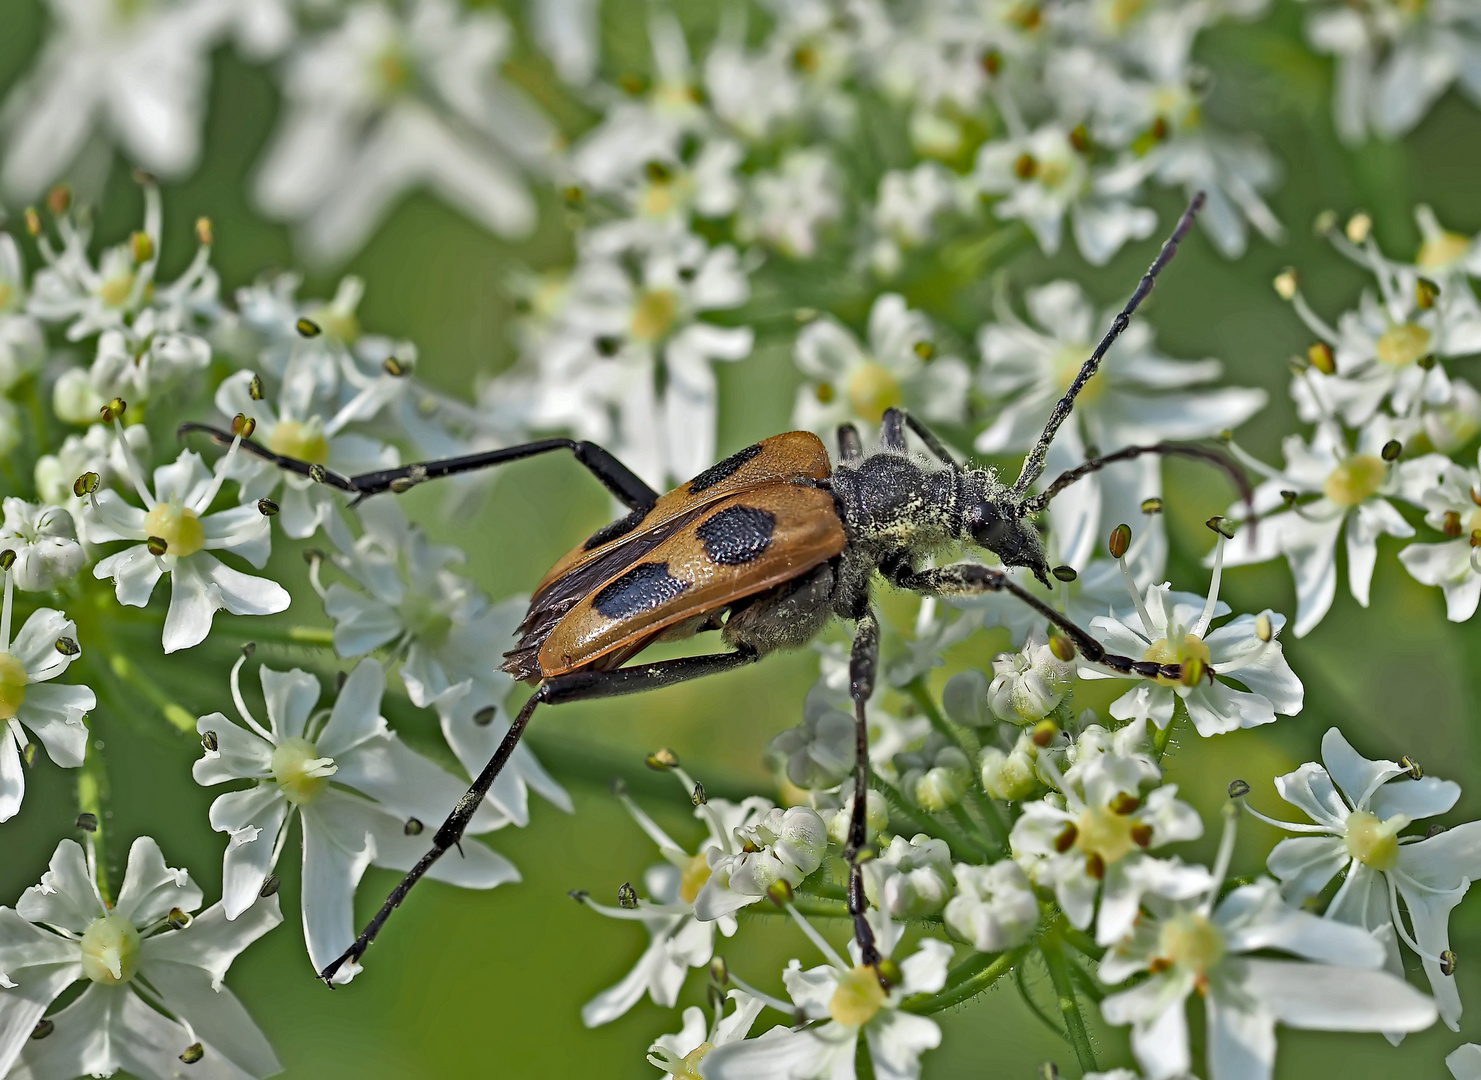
(863, 665)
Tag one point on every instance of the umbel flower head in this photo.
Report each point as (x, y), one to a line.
(153, 973)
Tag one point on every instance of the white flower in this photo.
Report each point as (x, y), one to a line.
(445, 631)
(1359, 808)
(22, 346)
(153, 976)
(1094, 841)
(39, 652)
(1465, 1062)
(906, 209)
(140, 70)
(1352, 489)
(909, 879)
(1011, 774)
(994, 907)
(570, 34)
(837, 1000)
(1451, 564)
(299, 429)
(847, 381)
(1042, 177)
(96, 450)
(1139, 396)
(681, 1054)
(176, 536)
(818, 754)
(680, 940)
(777, 845)
(1193, 945)
(44, 542)
(357, 788)
(384, 104)
(787, 207)
(1028, 684)
(1176, 628)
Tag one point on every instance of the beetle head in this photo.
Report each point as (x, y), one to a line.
(1015, 541)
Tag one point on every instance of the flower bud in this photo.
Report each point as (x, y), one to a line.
(964, 699)
(939, 788)
(910, 879)
(876, 818)
(1007, 776)
(994, 907)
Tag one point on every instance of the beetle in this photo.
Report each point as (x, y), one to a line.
(766, 547)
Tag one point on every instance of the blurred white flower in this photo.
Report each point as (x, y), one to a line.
(910, 879)
(22, 345)
(569, 32)
(384, 104)
(1028, 684)
(1359, 808)
(777, 845)
(680, 1054)
(1450, 506)
(789, 206)
(44, 542)
(363, 796)
(994, 908)
(153, 973)
(96, 450)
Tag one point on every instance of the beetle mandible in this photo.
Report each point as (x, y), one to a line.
(767, 547)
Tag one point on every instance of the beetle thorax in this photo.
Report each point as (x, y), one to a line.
(895, 506)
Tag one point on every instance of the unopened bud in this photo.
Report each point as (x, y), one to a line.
(697, 796)
(485, 716)
(210, 742)
(1120, 540)
(1238, 789)
(1152, 505)
(192, 1053)
(204, 234)
(157, 545)
(1391, 450)
(1264, 629)
(413, 827)
(267, 508)
(270, 885)
(1221, 525)
(141, 247)
(243, 425)
(113, 410)
(779, 892)
(627, 896)
(1285, 284)
(1320, 357)
(1062, 648)
(67, 646)
(1064, 573)
(393, 366)
(87, 822)
(86, 484)
(662, 760)
(1359, 227)
(308, 328)
(1412, 767)
(177, 919)
(1044, 733)
(1447, 962)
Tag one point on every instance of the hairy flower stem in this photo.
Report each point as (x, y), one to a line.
(987, 969)
(973, 831)
(812, 906)
(321, 636)
(1052, 945)
(919, 693)
(925, 823)
(92, 798)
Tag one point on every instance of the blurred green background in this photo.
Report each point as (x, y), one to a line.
(490, 984)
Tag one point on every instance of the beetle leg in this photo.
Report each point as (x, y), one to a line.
(892, 435)
(616, 477)
(558, 690)
(863, 664)
(850, 449)
(974, 579)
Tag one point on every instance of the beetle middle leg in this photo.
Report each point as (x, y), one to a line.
(557, 690)
(863, 666)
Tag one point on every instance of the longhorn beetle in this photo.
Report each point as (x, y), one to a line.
(767, 547)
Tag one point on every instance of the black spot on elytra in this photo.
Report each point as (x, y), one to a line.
(643, 587)
(621, 527)
(719, 471)
(736, 535)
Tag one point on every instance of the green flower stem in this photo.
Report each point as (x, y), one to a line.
(1052, 945)
(1081, 942)
(178, 717)
(321, 636)
(825, 890)
(973, 832)
(987, 969)
(812, 906)
(92, 797)
(899, 808)
(920, 694)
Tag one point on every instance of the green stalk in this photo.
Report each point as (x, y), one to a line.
(1052, 946)
(321, 636)
(991, 969)
(919, 693)
(922, 822)
(980, 847)
(177, 715)
(92, 797)
(812, 906)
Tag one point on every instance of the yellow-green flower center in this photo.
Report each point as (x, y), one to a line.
(693, 877)
(12, 685)
(337, 323)
(872, 390)
(1402, 345)
(654, 314)
(858, 997)
(7, 293)
(178, 526)
(1165, 651)
(1372, 842)
(300, 771)
(303, 440)
(1355, 480)
(110, 950)
(428, 623)
(1102, 832)
(1191, 942)
(1439, 250)
(116, 290)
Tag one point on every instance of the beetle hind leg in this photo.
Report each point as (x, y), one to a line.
(863, 665)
